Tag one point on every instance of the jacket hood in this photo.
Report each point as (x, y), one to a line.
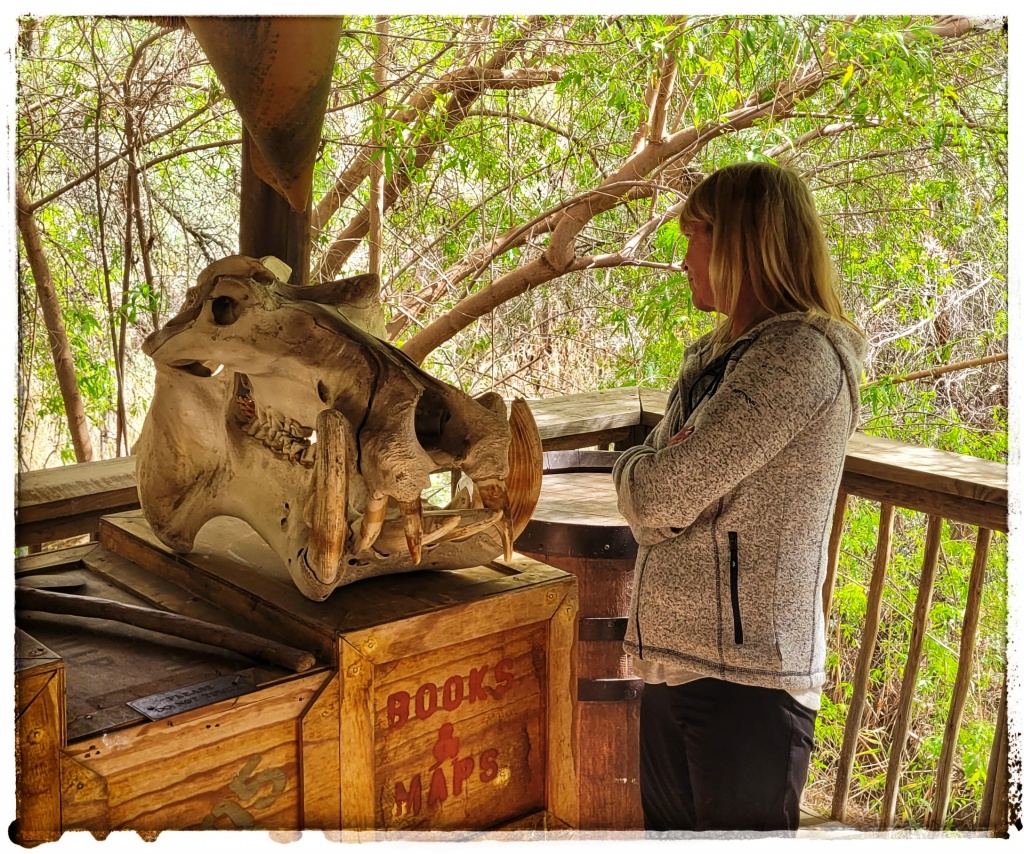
(849, 345)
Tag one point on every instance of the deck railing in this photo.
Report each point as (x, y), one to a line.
(59, 503)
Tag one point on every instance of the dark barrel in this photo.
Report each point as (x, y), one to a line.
(576, 527)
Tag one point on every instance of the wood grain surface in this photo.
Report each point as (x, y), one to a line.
(234, 764)
(39, 736)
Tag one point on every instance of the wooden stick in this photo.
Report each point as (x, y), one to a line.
(834, 539)
(376, 203)
(944, 369)
(933, 541)
(862, 675)
(994, 813)
(968, 636)
(166, 623)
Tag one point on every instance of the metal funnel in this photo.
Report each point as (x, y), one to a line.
(277, 71)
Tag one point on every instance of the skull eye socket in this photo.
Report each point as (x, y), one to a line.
(226, 310)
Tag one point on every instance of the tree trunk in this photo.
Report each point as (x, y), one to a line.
(376, 236)
(63, 363)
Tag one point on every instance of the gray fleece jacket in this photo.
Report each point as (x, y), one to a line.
(733, 522)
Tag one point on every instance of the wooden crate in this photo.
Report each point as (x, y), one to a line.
(39, 735)
(88, 761)
(456, 689)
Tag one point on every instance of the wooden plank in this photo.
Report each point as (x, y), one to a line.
(994, 814)
(563, 761)
(110, 664)
(32, 657)
(835, 539)
(39, 737)
(65, 527)
(44, 562)
(927, 468)
(811, 820)
(233, 568)
(590, 412)
(320, 758)
(267, 603)
(79, 488)
(157, 591)
(862, 674)
(255, 647)
(542, 820)
(579, 499)
(953, 507)
(962, 685)
(358, 789)
(233, 764)
(461, 623)
(597, 438)
(933, 542)
(653, 402)
(83, 798)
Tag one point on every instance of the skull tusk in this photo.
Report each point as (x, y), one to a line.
(439, 524)
(412, 522)
(473, 522)
(329, 497)
(492, 493)
(372, 522)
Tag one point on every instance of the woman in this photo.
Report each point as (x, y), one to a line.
(730, 500)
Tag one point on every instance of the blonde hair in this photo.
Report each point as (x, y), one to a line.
(764, 226)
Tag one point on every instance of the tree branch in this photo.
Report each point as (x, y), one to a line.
(470, 87)
(932, 373)
(60, 348)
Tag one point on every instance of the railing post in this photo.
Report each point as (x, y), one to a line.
(932, 544)
(862, 675)
(834, 540)
(995, 803)
(968, 636)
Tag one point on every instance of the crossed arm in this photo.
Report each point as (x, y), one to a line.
(777, 388)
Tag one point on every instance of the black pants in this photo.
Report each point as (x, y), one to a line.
(716, 755)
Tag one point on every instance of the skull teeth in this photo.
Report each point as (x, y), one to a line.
(438, 526)
(371, 524)
(412, 523)
(283, 436)
(476, 507)
(492, 493)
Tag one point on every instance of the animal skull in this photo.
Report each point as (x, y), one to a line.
(274, 404)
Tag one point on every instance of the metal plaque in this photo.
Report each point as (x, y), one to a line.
(173, 702)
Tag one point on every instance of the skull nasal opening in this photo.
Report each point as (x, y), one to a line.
(432, 417)
(226, 310)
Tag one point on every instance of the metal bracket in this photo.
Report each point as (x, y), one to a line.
(602, 628)
(608, 690)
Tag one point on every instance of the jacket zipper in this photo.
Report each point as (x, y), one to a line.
(639, 582)
(734, 586)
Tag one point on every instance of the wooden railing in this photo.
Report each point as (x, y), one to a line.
(58, 503)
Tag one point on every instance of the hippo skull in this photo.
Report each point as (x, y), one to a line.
(275, 404)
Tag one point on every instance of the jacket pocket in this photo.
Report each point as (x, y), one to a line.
(734, 586)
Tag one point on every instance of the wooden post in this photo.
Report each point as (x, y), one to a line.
(638, 434)
(39, 737)
(968, 636)
(862, 676)
(377, 165)
(834, 540)
(933, 541)
(267, 223)
(994, 803)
